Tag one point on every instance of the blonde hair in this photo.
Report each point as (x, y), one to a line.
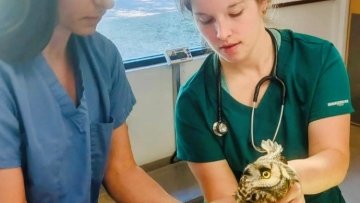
(186, 5)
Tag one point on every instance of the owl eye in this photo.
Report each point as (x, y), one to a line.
(266, 174)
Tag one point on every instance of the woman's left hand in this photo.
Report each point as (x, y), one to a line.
(295, 195)
(229, 199)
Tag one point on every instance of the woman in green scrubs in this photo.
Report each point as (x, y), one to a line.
(314, 130)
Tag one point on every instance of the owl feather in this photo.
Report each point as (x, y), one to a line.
(268, 179)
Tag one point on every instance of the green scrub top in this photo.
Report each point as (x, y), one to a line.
(317, 86)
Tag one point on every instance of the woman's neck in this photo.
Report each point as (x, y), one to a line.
(57, 57)
(56, 51)
(242, 77)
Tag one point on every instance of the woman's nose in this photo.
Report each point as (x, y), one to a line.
(106, 4)
(223, 30)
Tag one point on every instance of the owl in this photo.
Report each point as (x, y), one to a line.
(268, 179)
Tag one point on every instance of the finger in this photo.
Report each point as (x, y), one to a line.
(294, 194)
(298, 200)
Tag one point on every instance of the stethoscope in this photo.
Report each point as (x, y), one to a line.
(220, 128)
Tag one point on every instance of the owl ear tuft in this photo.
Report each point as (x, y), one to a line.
(271, 147)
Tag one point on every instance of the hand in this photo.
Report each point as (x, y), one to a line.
(228, 199)
(295, 195)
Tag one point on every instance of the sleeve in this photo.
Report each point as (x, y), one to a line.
(332, 93)
(195, 141)
(10, 141)
(122, 98)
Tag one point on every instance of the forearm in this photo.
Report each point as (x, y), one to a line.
(216, 179)
(321, 171)
(134, 185)
(12, 189)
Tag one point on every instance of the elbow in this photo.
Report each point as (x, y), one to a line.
(116, 171)
(117, 178)
(343, 169)
(332, 167)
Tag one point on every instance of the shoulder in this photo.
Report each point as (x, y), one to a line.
(7, 85)
(196, 84)
(199, 91)
(301, 38)
(5, 68)
(7, 75)
(307, 53)
(305, 45)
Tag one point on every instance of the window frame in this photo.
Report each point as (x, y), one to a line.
(159, 58)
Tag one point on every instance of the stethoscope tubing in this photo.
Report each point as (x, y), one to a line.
(271, 77)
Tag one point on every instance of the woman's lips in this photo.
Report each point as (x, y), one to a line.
(229, 47)
(92, 20)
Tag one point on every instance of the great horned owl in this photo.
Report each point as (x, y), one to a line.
(268, 179)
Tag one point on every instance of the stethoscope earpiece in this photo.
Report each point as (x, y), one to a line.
(220, 128)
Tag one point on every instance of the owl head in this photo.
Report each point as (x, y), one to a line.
(266, 180)
(263, 174)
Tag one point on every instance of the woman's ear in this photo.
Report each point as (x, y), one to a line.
(263, 6)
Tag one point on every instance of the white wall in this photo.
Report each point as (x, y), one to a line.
(327, 19)
(151, 121)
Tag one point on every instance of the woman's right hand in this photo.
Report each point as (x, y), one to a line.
(295, 195)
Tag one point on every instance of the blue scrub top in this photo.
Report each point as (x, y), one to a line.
(63, 147)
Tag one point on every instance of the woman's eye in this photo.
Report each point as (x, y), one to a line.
(205, 20)
(236, 14)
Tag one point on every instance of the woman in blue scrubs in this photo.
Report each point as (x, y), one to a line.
(63, 116)
(314, 130)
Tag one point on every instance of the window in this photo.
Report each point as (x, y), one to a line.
(144, 28)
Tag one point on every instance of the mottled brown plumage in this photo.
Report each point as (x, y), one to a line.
(268, 179)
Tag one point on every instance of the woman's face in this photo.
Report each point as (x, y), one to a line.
(82, 16)
(231, 27)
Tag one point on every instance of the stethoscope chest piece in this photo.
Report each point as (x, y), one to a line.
(220, 128)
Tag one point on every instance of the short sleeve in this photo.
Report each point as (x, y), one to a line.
(10, 141)
(122, 98)
(332, 94)
(195, 141)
